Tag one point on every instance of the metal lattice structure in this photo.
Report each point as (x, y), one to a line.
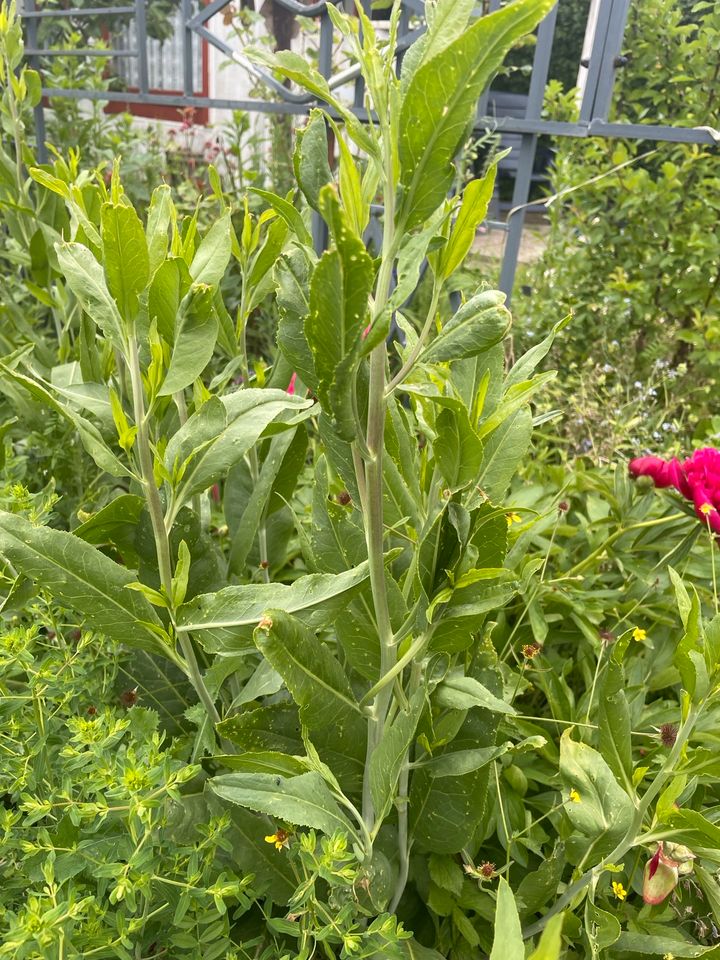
(604, 58)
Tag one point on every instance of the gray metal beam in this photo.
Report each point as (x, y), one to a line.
(33, 14)
(528, 149)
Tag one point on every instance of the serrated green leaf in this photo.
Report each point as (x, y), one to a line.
(441, 99)
(83, 579)
(314, 677)
(225, 620)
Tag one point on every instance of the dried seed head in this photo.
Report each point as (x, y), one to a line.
(607, 637)
(563, 506)
(531, 650)
(344, 498)
(128, 698)
(264, 564)
(668, 734)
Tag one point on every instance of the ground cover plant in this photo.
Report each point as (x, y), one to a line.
(310, 659)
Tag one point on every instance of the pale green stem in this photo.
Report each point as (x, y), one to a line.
(417, 349)
(253, 460)
(594, 685)
(592, 557)
(157, 519)
(712, 564)
(374, 517)
(181, 405)
(387, 678)
(403, 800)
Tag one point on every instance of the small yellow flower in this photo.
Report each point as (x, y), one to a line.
(513, 518)
(706, 508)
(639, 634)
(619, 890)
(281, 838)
(668, 956)
(574, 796)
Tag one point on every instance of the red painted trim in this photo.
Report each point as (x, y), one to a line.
(154, 111)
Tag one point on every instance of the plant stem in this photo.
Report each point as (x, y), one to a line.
(403, 800)
(253, 461)
(592, 557)
(374, 517)
(157, 519)
(417, 349)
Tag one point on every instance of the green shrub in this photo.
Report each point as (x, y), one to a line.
(633, 252)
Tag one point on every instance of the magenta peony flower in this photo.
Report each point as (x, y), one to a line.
(697, 479)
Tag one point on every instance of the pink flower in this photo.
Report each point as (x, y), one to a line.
(697, 479)
(291, 385)
(664, 869)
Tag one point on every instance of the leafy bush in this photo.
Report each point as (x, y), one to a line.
(648, 283)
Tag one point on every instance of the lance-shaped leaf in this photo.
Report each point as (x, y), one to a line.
(508, 943)
(457, 449)
(614, 722)
(168, 288)
(460, 762)
(213, 253)
(160, 215)
(313, 675)
(446, 20)
(277, 727)
(290, 214)
(82, 579)
(86, 279)
(296, 68)
(312, 169)
(473, 210)
(224, 621)
(441, 99)
(221, 432)
(391, 753)
(127, 264)
(246, 503)
(292, 275)
(305, 801)
(477, 326)
(339, 291)
(194, 340)
(445, 811)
